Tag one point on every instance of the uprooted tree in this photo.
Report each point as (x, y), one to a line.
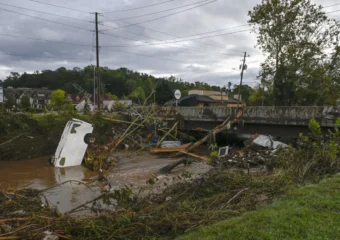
(301, 44)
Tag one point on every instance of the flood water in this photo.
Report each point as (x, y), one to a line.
(39, 174)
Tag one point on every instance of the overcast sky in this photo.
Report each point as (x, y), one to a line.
(214, 60)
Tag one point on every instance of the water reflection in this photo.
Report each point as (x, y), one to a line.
(38, 174)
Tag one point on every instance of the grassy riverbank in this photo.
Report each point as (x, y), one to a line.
(311, 212)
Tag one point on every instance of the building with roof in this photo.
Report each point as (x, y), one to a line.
(221, 97)
(193, 100)
(39, 97)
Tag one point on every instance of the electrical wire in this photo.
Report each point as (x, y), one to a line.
(183, 47)
(77, 19)
(67, 25)
(43, 40)
(86, 45)
(331, 5)
(32, 56)
(138, 8)
(138, 54)
(219, 30)
(167, 10)
(179, 40)
(175, 36)
(77, 10)
(150, 20)
(92, 48)
(117, 36)
(332, 11)
(153, 30)
(127, 22)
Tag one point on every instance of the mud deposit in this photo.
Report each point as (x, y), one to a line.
(132, 171)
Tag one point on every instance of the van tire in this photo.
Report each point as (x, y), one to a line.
(89, 139)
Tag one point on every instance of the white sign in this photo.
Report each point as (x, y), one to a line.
(177, 94)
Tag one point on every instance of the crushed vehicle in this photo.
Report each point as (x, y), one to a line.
(76, 137)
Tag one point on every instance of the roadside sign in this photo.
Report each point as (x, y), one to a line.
(177, 94)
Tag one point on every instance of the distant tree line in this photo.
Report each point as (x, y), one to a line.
(121, 83)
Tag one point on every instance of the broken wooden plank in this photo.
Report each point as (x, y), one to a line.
(168, 168)
(170, 150)
(218, 129)
(195, 156)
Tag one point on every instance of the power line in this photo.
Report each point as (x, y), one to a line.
(77, 10)
(169, 59)
(43, 40)
(219, 30)
(150, 29)
(92, 48)
(117, 36)
(183, 47)
(331, 5)
(67, 25)
(150, 20)
(332, 11)
(137, 8)
(77, 19)
(32, 56)
(167, 10)
(179, 40)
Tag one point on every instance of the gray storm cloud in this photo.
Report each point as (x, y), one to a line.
(204, 61)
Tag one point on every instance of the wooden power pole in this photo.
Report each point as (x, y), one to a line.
(242, 67)
(97, 68)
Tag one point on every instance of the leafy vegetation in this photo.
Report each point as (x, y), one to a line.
(121, 82)
(213, 197)
(25, 102)
(58, 98)
(302, 48)
(310, 212)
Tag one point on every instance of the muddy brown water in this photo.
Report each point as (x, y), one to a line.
(39, 174)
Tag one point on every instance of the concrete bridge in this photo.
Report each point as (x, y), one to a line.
(265, 120)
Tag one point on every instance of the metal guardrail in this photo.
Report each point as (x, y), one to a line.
(278, 115)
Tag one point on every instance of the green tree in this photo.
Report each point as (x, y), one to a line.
(296, 36)
(138, 95)
(246, 92)
(10, 103)
(260, 96)
(58, 98)
(113, 97)
(25, 102)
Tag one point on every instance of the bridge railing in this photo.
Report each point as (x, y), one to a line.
(275, 115)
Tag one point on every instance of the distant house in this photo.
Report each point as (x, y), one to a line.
(39, 97)
(105, 101)
(221, 97)
(193, 100)
(75, 99)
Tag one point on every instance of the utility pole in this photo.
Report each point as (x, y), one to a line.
(97, 70)
(242, 67)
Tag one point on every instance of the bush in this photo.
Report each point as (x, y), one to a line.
(316, 159)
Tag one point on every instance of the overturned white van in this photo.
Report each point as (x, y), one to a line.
(72, 147)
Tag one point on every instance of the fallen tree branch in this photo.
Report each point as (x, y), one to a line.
(83, 205)
(122, 121)
(218, 129)
(194, 156)
(47, 189)
(167, 134)
(11, 139)
(14, 219)
(237, 194)
(168, 168)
